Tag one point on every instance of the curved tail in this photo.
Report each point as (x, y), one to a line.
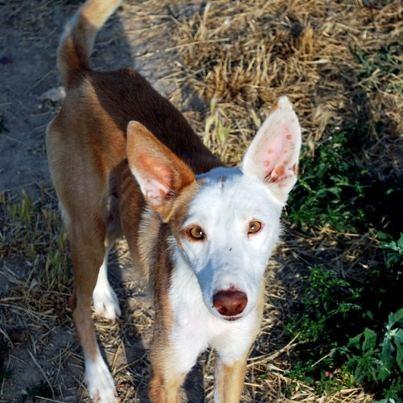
(78, 38)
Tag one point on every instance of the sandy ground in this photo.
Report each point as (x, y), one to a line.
(29, 33)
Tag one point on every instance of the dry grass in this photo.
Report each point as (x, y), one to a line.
(241, 57)
(237, 57)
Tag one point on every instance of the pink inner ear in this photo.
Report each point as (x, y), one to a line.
(271, 155)
(276, 157)
(165, 178)
(158, 179)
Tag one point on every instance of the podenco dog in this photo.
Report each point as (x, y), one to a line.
(122, 158)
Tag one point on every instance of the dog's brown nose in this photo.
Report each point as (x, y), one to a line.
(230, 302)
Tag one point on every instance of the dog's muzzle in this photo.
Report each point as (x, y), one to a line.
(230, 303)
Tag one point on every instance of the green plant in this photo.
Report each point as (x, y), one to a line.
(329, 190)
(34, 232)
(393, 249)
(336, 309)
(379, 358)
(327, 298)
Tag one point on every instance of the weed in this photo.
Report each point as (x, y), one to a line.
(33, 231)
(339, 319)
(332, 189)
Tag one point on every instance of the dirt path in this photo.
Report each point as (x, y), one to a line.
(39, 355)
(29, 34)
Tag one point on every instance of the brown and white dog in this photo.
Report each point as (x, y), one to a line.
(123, 159)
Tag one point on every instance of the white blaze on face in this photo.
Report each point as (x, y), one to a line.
(230, 257)
(230, 199)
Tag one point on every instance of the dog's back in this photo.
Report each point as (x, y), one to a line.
(106, 102)
(94, 118)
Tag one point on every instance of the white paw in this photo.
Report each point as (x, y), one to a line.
(101, 387)
(106, 303)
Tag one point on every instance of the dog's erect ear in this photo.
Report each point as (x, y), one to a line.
(159, 172)
(274, 152)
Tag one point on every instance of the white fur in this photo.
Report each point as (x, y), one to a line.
(229, 257)
(106, 303)
(65, 215)
(196, 327)
(99, 380)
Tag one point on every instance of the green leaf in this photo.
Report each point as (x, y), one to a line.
(387, 358)
(397, 317)
(355, 341)
(369, 340)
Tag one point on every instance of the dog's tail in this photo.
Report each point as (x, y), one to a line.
(78, 38)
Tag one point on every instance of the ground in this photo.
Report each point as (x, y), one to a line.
(223, 67)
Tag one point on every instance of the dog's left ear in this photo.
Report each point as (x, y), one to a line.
(274, 152)
(159, 172)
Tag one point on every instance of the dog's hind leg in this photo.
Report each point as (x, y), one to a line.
(106, 303)
(87, 240)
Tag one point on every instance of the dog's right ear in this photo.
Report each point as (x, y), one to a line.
(159, 172)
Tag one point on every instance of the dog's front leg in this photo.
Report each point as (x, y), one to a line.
(233, 349)
(168, 376)
(229, 379)
(173, 354)
(165, 387)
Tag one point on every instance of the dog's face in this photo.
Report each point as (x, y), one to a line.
(225, 222)
(227, 235)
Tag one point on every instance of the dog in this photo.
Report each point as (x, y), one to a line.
(124, 160)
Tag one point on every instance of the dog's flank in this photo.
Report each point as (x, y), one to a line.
(124, 160)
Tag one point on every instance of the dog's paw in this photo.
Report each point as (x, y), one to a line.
(100, 385)
(106, 303)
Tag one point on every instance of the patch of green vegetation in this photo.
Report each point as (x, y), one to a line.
(376, 68)
(349, 325)
(329, 190)
(378, 358)
(335, 352)
(33, 232)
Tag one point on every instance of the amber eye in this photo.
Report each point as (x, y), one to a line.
(254, 227)
(196, 233)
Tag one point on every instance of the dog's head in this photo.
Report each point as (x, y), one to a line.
(226, 222)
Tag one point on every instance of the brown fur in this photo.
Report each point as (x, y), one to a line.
(88, 150)
(86, 145)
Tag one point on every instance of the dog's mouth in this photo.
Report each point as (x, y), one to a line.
(232, 318)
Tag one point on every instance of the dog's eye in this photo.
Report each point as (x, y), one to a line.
(196, 233)
(254, 227)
